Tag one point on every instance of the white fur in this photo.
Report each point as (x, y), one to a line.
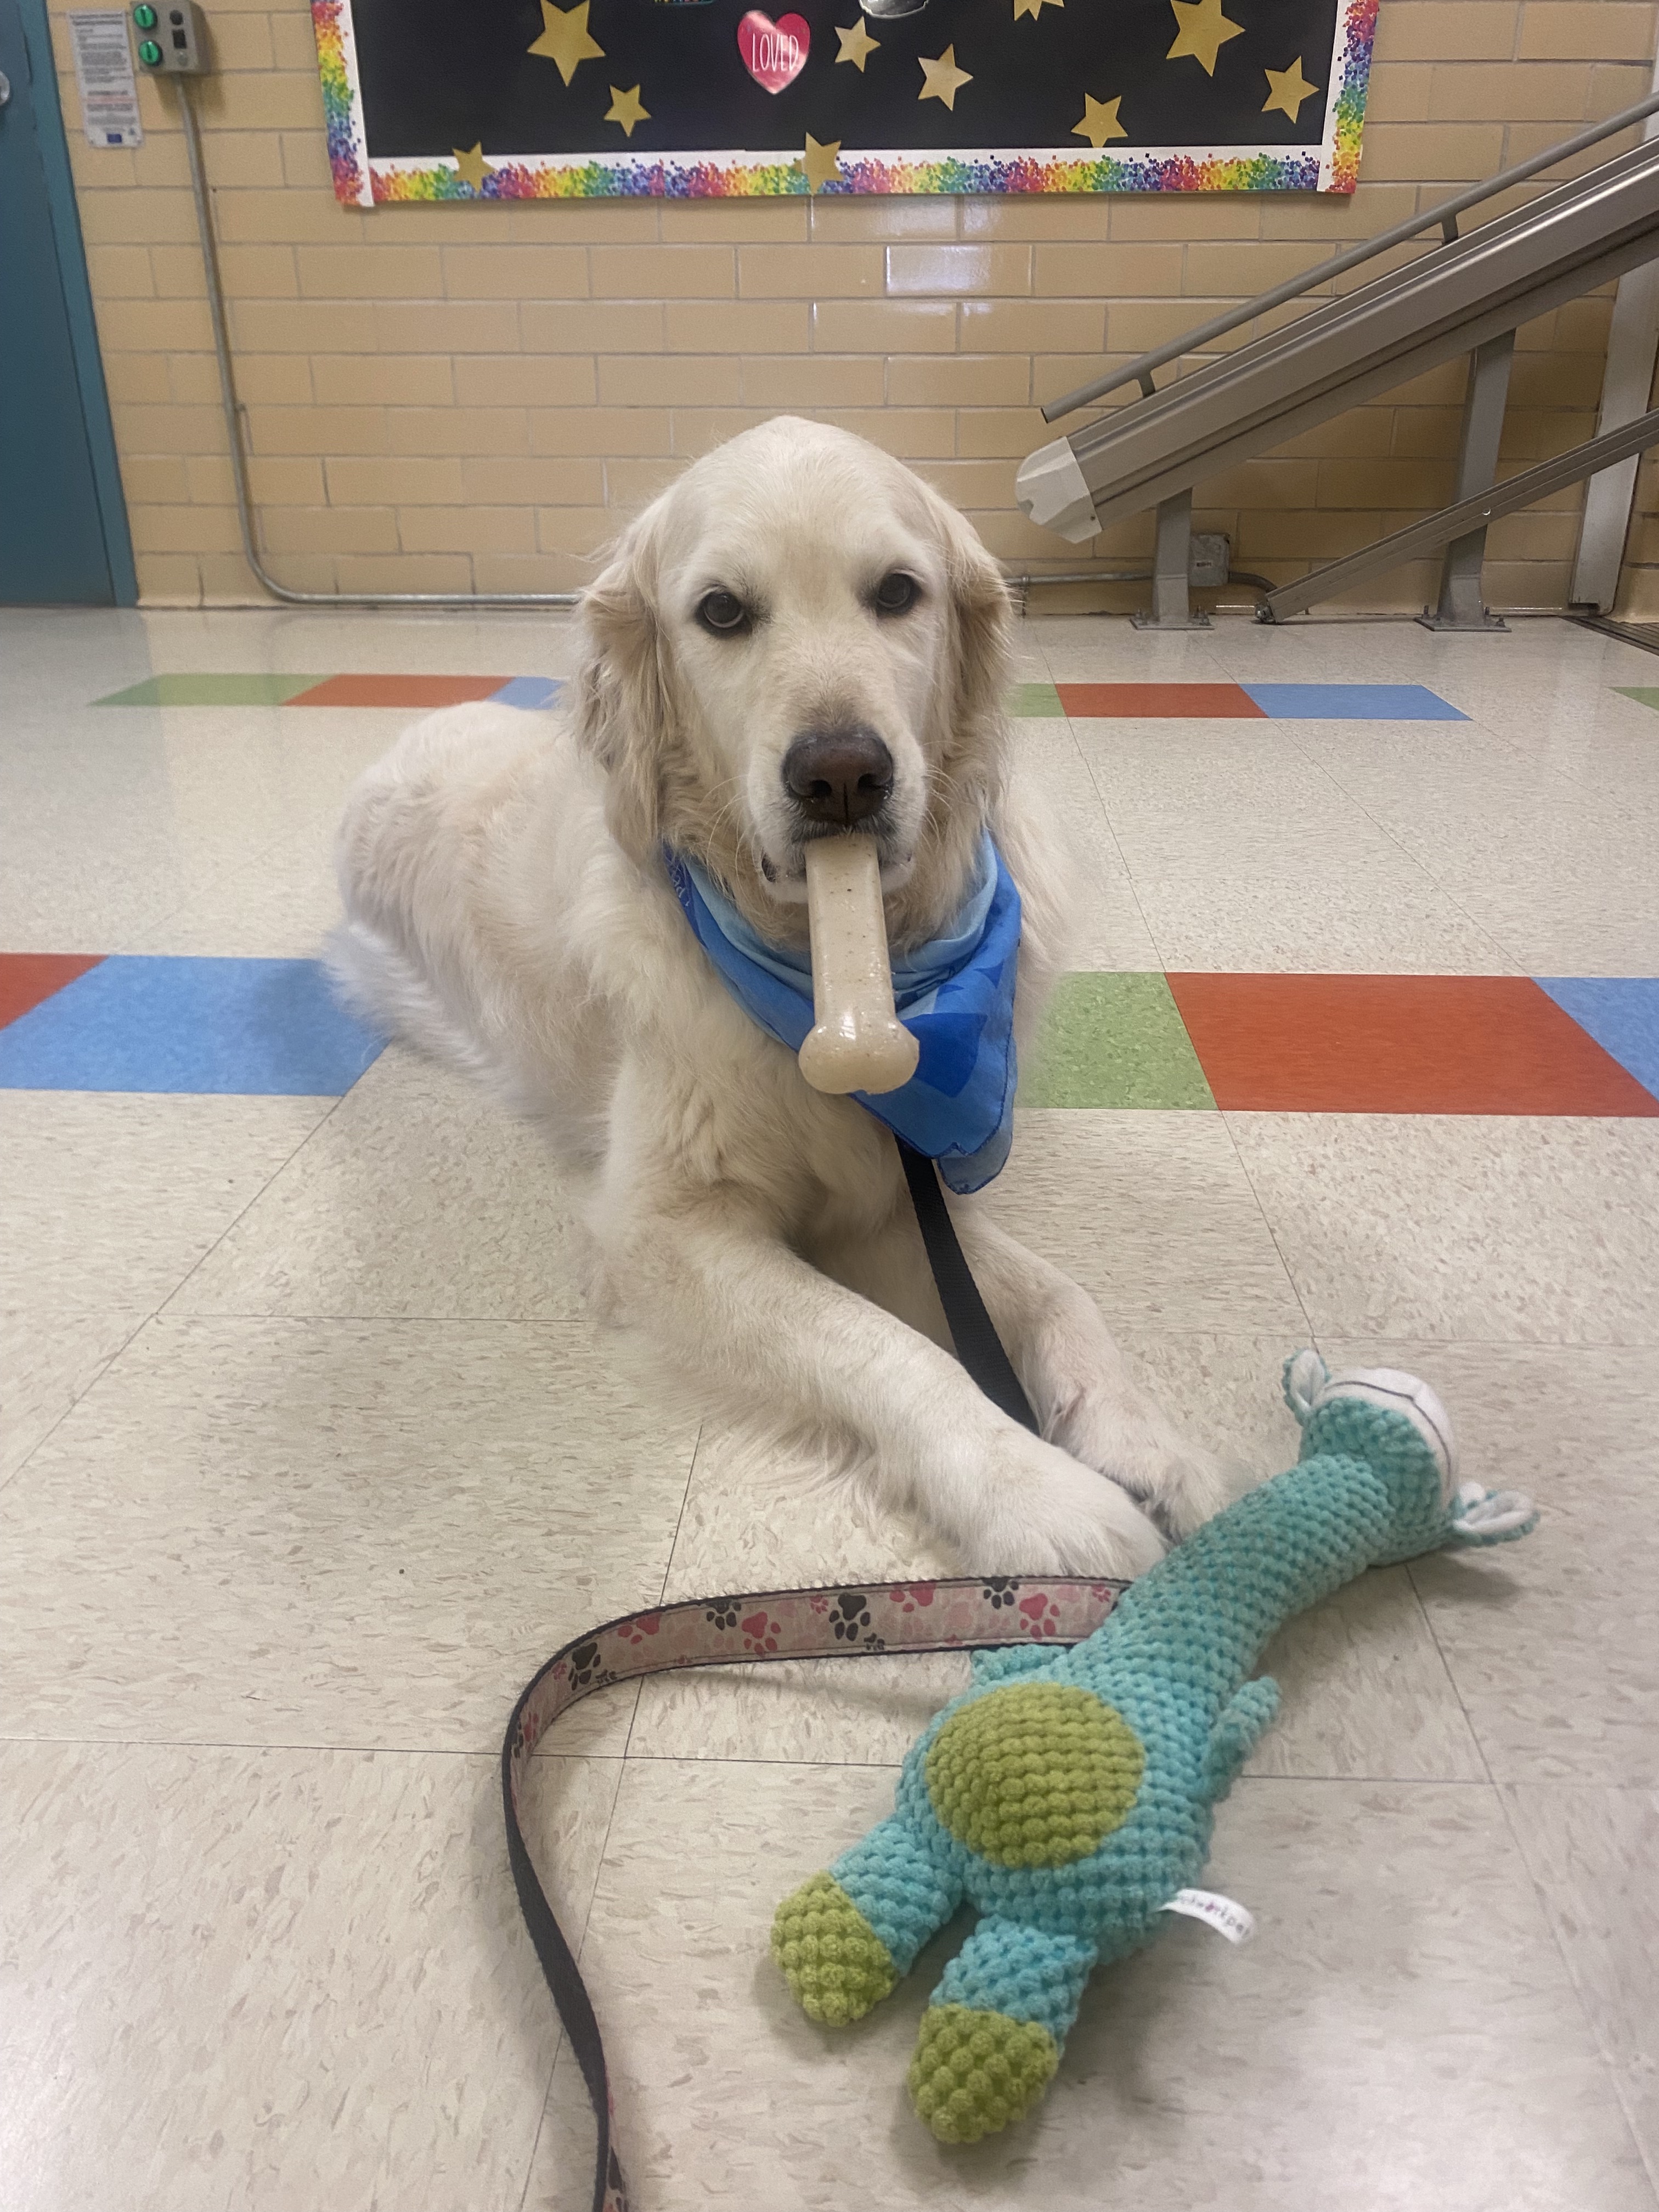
(507, 910)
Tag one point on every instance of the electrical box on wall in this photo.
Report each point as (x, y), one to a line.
(171, 38)
(1208, 554)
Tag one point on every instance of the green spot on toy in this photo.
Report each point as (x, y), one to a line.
(1036, 1774)
(1071, 1799)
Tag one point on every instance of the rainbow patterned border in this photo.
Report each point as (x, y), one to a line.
(1345, 115)
(342, 102)
(1331, 167)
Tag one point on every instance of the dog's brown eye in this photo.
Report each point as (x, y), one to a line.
(896, 593)
(723, 612)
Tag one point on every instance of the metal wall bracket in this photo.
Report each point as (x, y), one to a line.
(1462, 606)
(1172, 606)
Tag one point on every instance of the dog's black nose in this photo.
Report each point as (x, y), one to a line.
(842, 777)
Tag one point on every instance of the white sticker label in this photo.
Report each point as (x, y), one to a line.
(1233, 1921)
(103, 67)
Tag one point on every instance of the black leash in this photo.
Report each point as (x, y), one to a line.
(973, 1613)
(972, 1331)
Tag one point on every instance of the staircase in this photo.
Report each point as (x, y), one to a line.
(1466, 295)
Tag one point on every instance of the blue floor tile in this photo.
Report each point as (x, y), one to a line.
(1353, 703)
(528, 691)
(246, 1028)
(1622, 1013)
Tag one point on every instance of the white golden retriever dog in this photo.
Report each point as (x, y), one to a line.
(800, 635)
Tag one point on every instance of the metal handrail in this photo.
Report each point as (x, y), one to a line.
(1140, 371)
(1466, 516)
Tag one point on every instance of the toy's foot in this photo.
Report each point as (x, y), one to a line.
(830, 1955)
(991, 2033)
(1310, 1387)
(974, 2072)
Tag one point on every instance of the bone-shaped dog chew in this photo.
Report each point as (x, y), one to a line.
(858, 1041)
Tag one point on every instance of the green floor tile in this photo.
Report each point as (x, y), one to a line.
(1032, 702)
(210, 691)
(1644, 694)
(1113, 1041)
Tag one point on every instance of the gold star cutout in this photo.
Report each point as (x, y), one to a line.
(1287, 89)
(627, 109)
(821, 162)
(565, 39)
(469, 166)
(1099, 121)
(942, 79)
(1033, 7)
(1201, 30)
(856, 43)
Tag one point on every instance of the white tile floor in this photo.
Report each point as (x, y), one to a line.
(309, 1451)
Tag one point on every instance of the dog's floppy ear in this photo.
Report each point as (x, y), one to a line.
(622, 706)
(981, 616)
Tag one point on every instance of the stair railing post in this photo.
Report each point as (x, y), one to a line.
(1462, 606)
(1172, 606)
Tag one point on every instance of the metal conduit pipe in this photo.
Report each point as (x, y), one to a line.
(1023, 584)
(1120, 576)
(244, 515)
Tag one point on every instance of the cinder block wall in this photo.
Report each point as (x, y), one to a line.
(464, 398)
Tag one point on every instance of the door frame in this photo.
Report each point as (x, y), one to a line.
(70, 252)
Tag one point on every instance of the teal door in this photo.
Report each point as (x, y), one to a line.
(63, 523)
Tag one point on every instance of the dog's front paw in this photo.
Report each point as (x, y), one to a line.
(1050, 1516)
(1130, 1441)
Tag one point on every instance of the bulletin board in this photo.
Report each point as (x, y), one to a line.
(509, 100)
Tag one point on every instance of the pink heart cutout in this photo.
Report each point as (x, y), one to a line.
(774, 54)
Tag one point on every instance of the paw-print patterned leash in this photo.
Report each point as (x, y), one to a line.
(770, 1624)
(751, 1629)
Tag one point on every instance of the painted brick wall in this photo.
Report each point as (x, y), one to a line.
(470, 398)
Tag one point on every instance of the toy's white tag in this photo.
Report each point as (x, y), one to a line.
(1233, 1921)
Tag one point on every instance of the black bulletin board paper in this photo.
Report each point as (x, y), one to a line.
(526, 99)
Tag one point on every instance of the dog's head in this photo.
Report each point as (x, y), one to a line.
(799, 638)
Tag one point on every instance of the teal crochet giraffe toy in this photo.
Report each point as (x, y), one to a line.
(1069, 1798)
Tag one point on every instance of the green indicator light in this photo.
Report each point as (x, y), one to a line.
(145, 18)
(150, 54)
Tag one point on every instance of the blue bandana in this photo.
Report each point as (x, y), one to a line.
(955, 995)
